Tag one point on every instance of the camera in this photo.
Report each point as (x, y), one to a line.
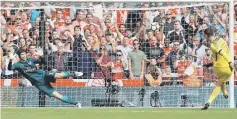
(184, 97)
(154, 99)
(112, 87)
(155, 75)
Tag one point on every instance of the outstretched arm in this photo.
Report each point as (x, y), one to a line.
(10, 65)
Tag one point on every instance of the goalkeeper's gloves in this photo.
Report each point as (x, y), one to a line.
(208, 65)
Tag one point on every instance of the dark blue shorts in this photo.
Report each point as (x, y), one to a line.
(50, 77)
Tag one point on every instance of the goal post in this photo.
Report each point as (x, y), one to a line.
(231, 47)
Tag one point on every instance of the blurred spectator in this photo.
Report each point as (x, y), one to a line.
(67, 26)
(80, 43)
(157, 18)
(153, 50)
(109, 27)
(5, 60)
(60, 60)
(121, 31)
(68, 41)
(80, 16)
(33, 52)
(136, 62)
(34, 18)
(52, 47)
(190, 77)
(177, 31)
(153, 73)
(25, 23)
(208, 72)
(18, 22)
(206, 21)
(132, 19)
(199, 50)
(26, 35)
(235, 10)
(101, 58)
(93, 42)
(111, 43)
(139, 32)
(200, 32)
(223, 14)
(59, 21)
(92, 19)
(48, 30)
(86, 33)
(149, 35)
(28, 43)
(173, 56)
(117, 66)
(168, 76)
(10, 42)
(218, 26)
(37, 22)
(22, 44)
(103, 42)
(82, 59)
(235, 69)
(1, 60)
(190, 27)
(125, 49)
(12, 19)
(169, 24)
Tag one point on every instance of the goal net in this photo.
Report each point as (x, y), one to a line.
(131, 54)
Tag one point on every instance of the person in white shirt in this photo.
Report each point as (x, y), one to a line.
(125, 49)
(5, 60)
(198, 50)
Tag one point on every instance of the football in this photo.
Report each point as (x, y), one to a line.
(22, 82)
(155, 26)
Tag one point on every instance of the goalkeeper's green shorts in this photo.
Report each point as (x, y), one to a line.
(50, 77)
(223, 73)
(48, 89)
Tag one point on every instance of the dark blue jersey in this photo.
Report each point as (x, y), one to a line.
(29, 70)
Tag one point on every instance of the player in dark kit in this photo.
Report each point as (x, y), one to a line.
(40, 78)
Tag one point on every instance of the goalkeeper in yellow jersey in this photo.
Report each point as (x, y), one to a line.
(222, 64)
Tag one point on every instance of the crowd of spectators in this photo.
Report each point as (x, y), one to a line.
(154, 45)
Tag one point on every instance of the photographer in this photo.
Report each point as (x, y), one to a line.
(154, 74)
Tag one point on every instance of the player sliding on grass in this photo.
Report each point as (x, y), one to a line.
(40, 78)
(222, 64)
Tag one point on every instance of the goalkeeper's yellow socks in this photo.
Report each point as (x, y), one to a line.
(223, 89)
(68, 100)
(214, 93)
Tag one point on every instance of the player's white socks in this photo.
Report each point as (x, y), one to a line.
(78, 105)
(78, 73)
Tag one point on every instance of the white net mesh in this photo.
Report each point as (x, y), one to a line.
(100, 40)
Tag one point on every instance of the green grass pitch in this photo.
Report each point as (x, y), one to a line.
(117, 113)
